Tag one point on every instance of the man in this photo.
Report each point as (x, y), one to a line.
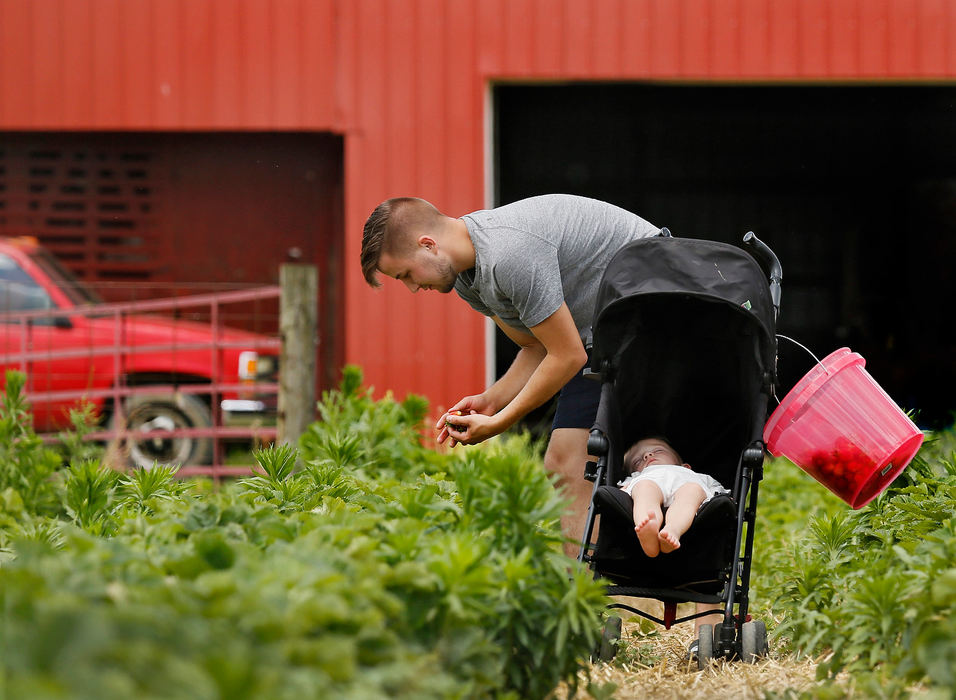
(534, 267)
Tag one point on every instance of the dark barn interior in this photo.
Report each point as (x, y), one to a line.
(854, 187)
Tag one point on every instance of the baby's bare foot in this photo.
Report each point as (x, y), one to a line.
(643, 522)
(668, 541)
(646, 529)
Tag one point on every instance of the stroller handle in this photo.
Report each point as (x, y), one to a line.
(768, 260)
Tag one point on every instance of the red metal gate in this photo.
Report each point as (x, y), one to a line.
(153, 349)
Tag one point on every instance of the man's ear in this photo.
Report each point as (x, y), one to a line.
(427, 242)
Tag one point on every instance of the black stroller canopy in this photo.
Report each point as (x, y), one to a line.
(684, 329)
(708, 270)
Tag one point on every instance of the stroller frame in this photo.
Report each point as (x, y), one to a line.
(736, 636)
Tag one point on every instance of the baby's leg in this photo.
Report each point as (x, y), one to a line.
(680, 515)
(647, 515)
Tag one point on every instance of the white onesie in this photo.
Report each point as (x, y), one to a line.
(669, 478)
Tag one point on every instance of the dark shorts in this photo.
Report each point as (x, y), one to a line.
(577, 403)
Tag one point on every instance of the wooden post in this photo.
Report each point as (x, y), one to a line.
(298, 315)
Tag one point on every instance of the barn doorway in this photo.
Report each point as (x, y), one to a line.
(853, 186)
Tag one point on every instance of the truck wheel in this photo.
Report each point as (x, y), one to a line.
(147, 413)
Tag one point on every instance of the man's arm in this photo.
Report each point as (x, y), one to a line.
(530, 354)
(499, 394)
(564, 355)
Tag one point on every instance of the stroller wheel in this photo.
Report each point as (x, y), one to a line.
(705, 646)
(610, 635)
(753, 641)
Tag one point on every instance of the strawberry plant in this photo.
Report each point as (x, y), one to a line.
(872, 591)
(359, 566)
(28, 469)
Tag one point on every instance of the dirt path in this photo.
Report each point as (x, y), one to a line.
(651, 665)
(655, 668)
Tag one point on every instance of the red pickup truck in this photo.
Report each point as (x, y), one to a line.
(164, 371)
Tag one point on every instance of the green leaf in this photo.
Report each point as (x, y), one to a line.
(213, 548)
(944, 589)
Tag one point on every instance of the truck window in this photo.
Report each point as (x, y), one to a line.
(65, 280)
(18, 291)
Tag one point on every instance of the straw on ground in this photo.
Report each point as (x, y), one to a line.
(654, 667)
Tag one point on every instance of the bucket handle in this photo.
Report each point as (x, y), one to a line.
(809, 352)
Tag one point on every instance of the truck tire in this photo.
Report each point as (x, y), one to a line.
(145, 413)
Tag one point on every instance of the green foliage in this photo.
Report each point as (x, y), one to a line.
(506, 496)
(641, 647)
(89, 496)
(73, 443)
(275, 486)
(144, 489)
(387, 433)
(361, 566)
(28, 469)
(872, 590)
(504, 492)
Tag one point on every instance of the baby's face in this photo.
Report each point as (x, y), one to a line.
(651, 451)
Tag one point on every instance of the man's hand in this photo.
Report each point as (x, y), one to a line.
(469, 429)
(478, 404)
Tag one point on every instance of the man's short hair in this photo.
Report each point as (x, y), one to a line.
(390, 228)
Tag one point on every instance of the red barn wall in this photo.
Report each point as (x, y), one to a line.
(406, 84)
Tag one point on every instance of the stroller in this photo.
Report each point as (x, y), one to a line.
(684, 347)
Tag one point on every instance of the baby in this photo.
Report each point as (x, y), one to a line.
(659, 478)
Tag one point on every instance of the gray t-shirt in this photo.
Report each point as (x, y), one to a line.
(534, 254)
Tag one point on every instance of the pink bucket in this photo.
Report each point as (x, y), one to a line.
(839, 426)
